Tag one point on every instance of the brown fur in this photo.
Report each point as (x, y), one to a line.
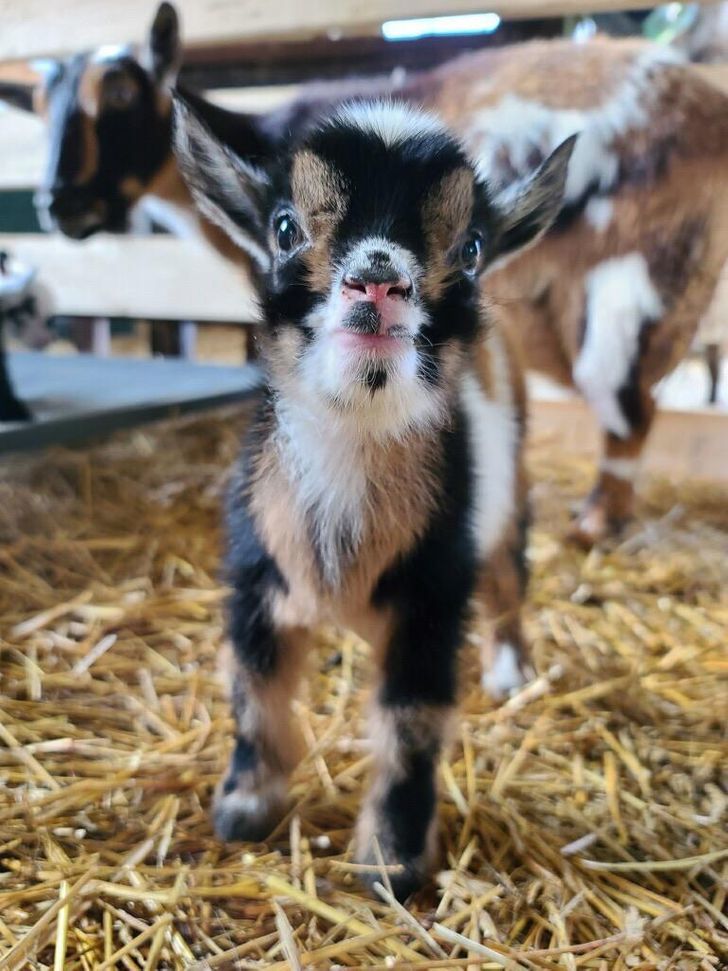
(445, 216)
(320, 197)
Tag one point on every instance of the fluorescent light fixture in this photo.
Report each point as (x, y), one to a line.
(469, 23)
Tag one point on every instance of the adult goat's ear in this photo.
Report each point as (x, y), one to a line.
(17, 95)
(229, 191)
(526, 209)
(164, 47)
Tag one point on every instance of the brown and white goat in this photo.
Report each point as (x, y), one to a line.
(608, 301)
(381, 486)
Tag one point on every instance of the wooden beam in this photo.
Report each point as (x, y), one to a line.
(35, 27)
(124, 276)
(23, 141)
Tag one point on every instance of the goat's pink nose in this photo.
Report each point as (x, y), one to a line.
(356, 288)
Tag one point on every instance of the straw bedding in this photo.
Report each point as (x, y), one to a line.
(584, 822)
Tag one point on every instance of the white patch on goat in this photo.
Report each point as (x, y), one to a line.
(599, 212)
(620, 299)
(621, 468)
(393, 121)
(517, 129)
(492, 435)
(328, 470)
(504, 675)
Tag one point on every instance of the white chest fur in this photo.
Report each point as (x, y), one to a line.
(326, 458)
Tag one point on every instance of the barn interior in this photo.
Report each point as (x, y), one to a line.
(583, 819)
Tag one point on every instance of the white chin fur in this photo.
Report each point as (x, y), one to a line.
(336, 378)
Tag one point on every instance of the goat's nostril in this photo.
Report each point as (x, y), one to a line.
(354, 283)
(402, 288)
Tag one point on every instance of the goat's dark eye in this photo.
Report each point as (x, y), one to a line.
(471, 253)
(288, 234)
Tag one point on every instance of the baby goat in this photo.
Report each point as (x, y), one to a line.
(381, 487)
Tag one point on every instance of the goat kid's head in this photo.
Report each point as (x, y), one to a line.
(367, 239)
(108, 115)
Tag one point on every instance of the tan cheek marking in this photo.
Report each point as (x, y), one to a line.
(89, 152)
(320, 196)
(446, 214)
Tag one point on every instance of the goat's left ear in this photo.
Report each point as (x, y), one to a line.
(527, 209)
(164, 48)
(228, 190)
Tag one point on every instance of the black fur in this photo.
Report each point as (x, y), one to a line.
(420, 663)
(244, 759)
(11, 407)
(629, 395)
(253, 575)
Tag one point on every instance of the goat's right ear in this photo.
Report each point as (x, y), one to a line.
(228, 191)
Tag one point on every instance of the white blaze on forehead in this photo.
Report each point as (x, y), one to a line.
(506, 138)
(620, 300)
(393, 121)
(492, 428)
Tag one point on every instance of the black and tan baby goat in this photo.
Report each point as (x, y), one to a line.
(381, 487)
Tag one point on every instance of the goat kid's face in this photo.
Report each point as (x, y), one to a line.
(367, 239)
(109, 125)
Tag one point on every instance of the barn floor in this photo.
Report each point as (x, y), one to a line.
(584, 822)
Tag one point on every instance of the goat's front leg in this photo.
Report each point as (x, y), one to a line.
(266, 667)
(411, 712)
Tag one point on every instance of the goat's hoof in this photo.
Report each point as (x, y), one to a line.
(405, 877)
(248, 815)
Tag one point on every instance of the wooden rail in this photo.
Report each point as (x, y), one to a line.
(35, 27)
(125, 276)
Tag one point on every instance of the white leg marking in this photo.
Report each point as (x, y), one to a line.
(621, 468)
(620, 298)
(504, 675)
